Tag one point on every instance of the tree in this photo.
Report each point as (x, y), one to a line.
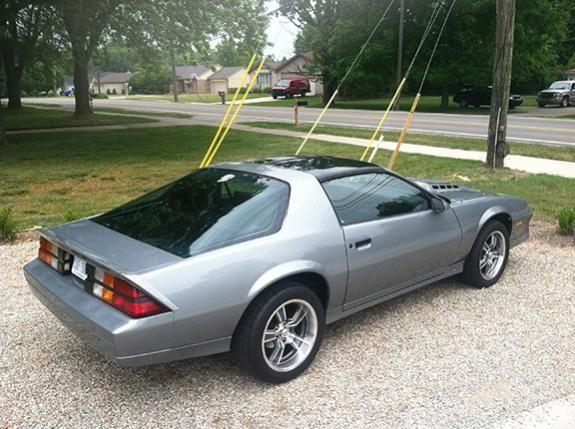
(85, 21)
(24, 25)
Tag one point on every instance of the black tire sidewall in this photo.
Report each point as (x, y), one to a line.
(471, 272)
(246, 344)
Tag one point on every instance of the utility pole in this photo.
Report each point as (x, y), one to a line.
(400, 42)
(174, 75)
(497, 147)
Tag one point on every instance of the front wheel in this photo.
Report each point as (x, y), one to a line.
(541, 105)
(280, 333)
(487, 260)
(565, 102)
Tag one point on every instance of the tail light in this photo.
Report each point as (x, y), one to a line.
(55, 256)
(123, 296)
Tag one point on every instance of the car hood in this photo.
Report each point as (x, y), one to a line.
(553, 91)
(108, 248)
(453, 191)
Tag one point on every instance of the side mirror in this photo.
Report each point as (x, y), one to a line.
(437, 205)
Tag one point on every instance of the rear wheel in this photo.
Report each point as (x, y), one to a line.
(565, 102)
(487, 260)
(280, 333)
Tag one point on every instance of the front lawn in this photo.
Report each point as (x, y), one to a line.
(427, 103)
(54, 177)
(562, 153)
(190, 98)
(28, 118)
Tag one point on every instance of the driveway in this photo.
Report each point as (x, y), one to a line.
(521, 128)
(444, 356)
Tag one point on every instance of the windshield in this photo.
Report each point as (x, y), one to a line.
(202, 211)
(283, 83)
(559, 85)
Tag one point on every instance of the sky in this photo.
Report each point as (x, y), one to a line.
(281, 35)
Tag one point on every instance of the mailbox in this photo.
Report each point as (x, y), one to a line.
(300, 103)
(222, 95)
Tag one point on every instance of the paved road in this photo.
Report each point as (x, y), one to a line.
(521, 128)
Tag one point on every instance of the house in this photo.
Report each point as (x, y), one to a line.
(297, 66)
(194, 79)
(226, 78)
(112, 83)
(570, 74)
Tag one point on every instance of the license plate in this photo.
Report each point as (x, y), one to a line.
(79, 268)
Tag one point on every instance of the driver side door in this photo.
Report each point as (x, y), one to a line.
(393, 237)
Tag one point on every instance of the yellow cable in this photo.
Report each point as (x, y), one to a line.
(228, 111)
(383, 119)
(403, 132)
(310, 132)
(236, 113)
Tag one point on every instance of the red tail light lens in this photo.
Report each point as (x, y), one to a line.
(55, 256)
(123, 296)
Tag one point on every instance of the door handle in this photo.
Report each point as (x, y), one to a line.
(363, 244)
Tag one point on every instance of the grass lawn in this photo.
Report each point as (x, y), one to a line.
(176, 115)
(427, 103)
(50, 178)
(28, 118)
(190, 98)
(561, 153)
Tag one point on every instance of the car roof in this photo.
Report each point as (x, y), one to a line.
(322, 167)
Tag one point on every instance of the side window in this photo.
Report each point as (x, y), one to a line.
(367, 197)
(573, 87)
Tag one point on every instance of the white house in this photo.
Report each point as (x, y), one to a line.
(570, 74)
(227, 78)
(112, 83)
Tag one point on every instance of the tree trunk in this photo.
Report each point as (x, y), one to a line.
(174, 76)
(3, 139)
(497, 147)
(444, 97)
(13, 75)
(82, 86)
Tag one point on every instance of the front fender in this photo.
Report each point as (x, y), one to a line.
(489, 213)
(282, 271)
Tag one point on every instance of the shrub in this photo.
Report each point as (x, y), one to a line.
(566, 219)
(108, 91)
(7, 225)
(114, 91)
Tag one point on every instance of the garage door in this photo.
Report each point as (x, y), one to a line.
(218, 85)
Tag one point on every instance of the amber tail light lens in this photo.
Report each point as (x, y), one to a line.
(123, 296)
(55, 256)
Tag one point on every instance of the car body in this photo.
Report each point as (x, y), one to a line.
(290, 87)
(560, 93)
(305, 226)
(477, 96)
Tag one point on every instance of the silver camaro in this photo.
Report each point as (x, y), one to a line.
(257, 257)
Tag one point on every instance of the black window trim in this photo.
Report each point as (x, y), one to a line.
(376, 170)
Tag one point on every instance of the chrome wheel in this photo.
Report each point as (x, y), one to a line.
(492, 255)
(289, 335)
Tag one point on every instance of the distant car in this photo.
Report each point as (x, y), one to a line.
(561, 93)
(477, 96)
(68, 92)
(256, 257)
(290, 87)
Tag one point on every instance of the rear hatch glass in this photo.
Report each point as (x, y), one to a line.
(205, 210)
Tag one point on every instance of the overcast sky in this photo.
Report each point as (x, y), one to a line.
(281, 35)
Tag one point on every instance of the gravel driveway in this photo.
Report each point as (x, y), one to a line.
(444, 356)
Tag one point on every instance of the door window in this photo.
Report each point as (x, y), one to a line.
(368, 197)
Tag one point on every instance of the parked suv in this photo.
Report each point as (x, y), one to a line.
(561, 93)
(290, 87)
(477, 96)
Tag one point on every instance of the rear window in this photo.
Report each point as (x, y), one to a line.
(205, 210)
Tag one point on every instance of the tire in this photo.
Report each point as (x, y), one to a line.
(541, 105)
(463, 104)
(482, 277)
(257, 353)
(565, 102)
(275, 97)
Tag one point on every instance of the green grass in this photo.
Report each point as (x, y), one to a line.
(427, 103)
(48, 178)
(177, 115)
(562, 153)
(190, 98)
(28, 118)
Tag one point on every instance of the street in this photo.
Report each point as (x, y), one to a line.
(520, 128)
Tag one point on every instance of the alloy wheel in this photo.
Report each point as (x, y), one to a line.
(492, 255)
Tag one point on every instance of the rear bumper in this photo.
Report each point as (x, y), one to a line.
(119, 338)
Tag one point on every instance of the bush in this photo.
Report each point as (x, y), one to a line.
(7, 225)
(566, 219)
(108, 91)
(114, 91)
(151, 80)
